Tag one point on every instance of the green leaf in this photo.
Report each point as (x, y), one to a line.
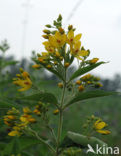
(56, 73)
(44, 97)
(84, 70)
(12, 147)
(6, 104)
(50, 70)
(26, 142)
(17, 145)
(74, 139)
(89, 95)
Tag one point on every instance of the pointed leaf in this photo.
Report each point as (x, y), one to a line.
(26, 142)
(50, 70)
(74, 139)
(84, 70)
(89, 95)
(44, 97)
(12, 147)
(6, 104)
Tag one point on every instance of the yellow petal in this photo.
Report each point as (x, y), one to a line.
(103, 131)
(77, 37)
(100, 125)
(26, 110)
(77, 45)
(83, 53)
(71, 34)
(14, 133)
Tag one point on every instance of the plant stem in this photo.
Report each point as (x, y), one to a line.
(43, 141)
(52, 132)
(61, 116)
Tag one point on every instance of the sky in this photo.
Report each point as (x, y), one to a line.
(99, 21)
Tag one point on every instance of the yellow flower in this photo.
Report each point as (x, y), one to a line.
(13, 111)
(94, 60)
(24, 81)
(27, 119)
(89, 82)
(23, 119)
(99, 125)
(45, 55)
(7, 123)
(98, 85)
(14, 133)
(71, 39)
(36, 66)
(60, 85)
(55, 62)
(49, 47)
(55, 112)
(78, 82)
(17, 128)
(49, 66)
(66, 64)
(32, 120)
(57, 54)
(86, 77)
(81, 88)
(41, 59)
(25, 74)
(77, 52)
(26, 110)
(25, 84)
(37, 112)
(11, 117)
(58, 40)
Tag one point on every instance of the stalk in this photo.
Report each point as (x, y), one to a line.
(43, 141)
(60, 124)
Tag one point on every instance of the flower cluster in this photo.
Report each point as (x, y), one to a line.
(86, 80)
(41, 108)
(23, 80)
(17, 122)
(95, 124)
(61, 47)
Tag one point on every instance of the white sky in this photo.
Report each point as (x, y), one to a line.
(98, 20)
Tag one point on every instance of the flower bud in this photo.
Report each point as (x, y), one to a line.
(46, 31)
(55, 112)
(48, 26)
(55, 62)
(78, 82)
(60, 85)
(61, 30)
(45, 36)
(98, 85)
(66, 64)
(36, 66)
(81, 88)
(70, 27)
(59, 18)
(94, 60)
(49, 66)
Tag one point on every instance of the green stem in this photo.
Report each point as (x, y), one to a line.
(43, 141)
(61, 117)
(52, 132)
